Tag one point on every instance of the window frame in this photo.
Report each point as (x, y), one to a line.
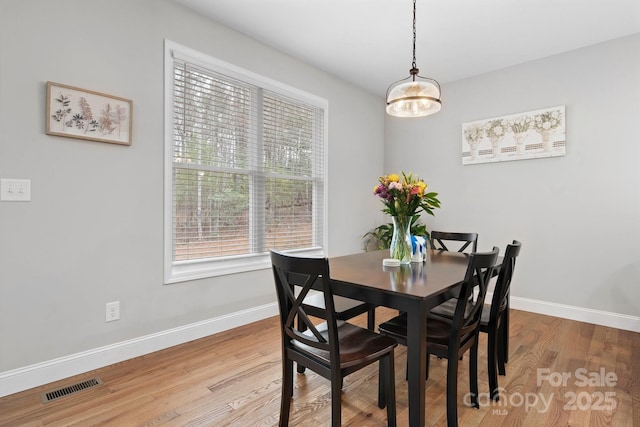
(180, 271)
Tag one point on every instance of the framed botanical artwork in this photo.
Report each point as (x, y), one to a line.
(86, 114)
(530, 135)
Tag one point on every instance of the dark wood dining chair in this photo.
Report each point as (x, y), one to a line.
(451, 338)
(494, 320)
(332, 349)
(462, 241)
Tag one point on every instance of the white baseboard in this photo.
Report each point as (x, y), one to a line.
(53, 370)
(587, 315)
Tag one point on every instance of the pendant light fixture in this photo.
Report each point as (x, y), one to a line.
(414, 96)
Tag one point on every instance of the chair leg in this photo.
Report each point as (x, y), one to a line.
(301, 327)
(505, 335)
(286, 391)
(503, 348)
(492, 355)
(473, 374)
(382, 384)
(371, 319)
(388, 396)
(452, 391)
(336, 401)
(426, 374)
(406, 370)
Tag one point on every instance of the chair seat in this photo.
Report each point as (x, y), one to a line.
(438, 329)
(448, 308)
(357, 345)
(346, 308)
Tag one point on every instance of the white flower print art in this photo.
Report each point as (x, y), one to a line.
(528, 135)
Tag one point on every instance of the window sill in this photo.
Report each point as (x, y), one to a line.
(184, 271)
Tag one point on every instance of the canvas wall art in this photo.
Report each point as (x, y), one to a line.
(531, 135)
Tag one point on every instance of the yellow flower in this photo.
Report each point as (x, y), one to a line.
(422, 187)
(393, 177)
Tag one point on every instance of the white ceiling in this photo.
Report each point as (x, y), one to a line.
(369, 42)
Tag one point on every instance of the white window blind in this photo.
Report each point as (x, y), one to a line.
(247, 170)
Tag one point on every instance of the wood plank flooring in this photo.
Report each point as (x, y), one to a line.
(560, 373)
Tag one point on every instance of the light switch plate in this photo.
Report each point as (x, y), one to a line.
(15, 190)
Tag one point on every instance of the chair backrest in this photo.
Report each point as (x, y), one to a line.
(464, 240)
(466, 319)
(503, 283)
(290, 272)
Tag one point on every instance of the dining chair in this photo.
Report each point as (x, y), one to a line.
(451, 338)
(333, 348)
(494, 320)
(462, 241)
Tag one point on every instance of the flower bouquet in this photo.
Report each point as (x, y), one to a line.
(403, 198)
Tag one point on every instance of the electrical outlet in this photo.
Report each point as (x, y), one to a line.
(113, 311)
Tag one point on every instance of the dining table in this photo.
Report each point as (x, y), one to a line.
(413, 288)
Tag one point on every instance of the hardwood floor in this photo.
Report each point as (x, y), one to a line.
(233, 379)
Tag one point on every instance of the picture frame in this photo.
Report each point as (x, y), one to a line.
(86, 114)
(528, 135)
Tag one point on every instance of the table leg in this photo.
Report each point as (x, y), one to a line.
(416, 363)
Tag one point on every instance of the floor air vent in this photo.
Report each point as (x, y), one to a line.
(66, 391)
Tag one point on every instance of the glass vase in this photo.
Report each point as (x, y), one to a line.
(400, 248)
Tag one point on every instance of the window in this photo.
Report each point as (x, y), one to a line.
(245, 168)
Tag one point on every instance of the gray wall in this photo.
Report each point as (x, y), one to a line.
(93, 230)
(578, 216)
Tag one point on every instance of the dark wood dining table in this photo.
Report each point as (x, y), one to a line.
(413, 288)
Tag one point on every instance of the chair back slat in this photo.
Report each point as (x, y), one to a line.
(500, 298)
(438, 241)
(296, 309)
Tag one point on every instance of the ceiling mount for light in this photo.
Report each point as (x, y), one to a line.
(414, 96)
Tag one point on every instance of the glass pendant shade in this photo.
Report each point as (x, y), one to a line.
(414, 96)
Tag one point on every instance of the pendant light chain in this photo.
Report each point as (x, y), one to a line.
(413, 64)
